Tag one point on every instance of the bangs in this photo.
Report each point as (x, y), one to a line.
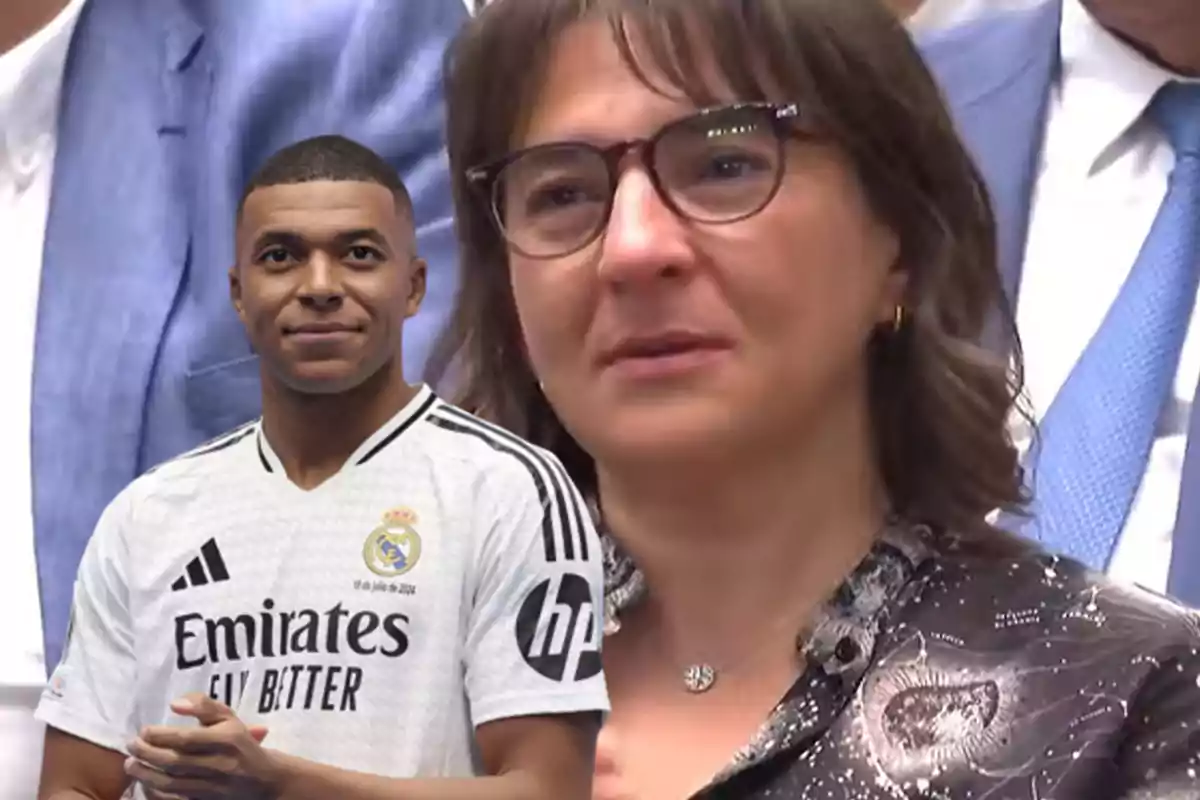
(692, 49)
(821, 54)
(696, 49)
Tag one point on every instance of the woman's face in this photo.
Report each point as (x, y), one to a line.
(666, 335)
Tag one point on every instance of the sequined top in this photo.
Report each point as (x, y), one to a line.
(935, 673)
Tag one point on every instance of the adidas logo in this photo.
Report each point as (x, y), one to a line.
(195, 574)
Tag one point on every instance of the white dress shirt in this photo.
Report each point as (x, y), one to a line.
(1103, 175)
(938, 14)
(31, 77)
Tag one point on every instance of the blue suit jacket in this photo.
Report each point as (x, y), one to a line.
(997, 74)
(168, 107)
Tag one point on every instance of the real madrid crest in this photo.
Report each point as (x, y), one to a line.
(394, 547)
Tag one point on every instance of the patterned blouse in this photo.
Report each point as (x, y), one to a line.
(933, 673)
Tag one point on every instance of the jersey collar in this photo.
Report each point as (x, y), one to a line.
(391, 430)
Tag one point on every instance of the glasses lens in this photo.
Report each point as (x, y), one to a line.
(551, 200)
(720, 166)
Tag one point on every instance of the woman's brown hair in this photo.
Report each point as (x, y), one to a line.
(940, 400)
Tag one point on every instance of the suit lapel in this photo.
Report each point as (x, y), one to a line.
(997, 75)
(1002, 119)
(114, 261)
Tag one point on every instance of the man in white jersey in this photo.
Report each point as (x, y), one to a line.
(397, 596)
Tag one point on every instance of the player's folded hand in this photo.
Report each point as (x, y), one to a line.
(223, 758)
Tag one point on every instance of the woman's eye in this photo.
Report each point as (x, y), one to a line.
(554, 197)
(732, 165)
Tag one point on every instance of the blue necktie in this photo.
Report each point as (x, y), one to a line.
(1095, 438)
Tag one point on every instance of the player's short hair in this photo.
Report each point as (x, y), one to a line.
(328, 158)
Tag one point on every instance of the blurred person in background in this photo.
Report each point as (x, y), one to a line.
(128, 128)
(732, 264)
(1084, 116)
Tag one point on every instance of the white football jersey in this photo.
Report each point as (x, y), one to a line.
(449, 575)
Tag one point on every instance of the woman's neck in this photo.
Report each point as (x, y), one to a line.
(314, 434)
(727, 550)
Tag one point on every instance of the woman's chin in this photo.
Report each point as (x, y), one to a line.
(679, 433)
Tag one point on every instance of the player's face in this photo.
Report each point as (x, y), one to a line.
(325, 277)
(666, 335)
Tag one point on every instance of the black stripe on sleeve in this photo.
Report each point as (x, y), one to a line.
(553, 495)
(571, 534)
(575, 508)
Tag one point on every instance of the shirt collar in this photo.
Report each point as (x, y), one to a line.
(31, 76)
(940, 14)
(1105, 85)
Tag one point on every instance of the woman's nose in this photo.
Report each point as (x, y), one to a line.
(644, 238)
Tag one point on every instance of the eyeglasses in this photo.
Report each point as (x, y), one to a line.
(717, 166)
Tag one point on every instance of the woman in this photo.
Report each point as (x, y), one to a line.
(729, 261)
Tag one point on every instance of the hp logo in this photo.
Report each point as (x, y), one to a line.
(558, 630)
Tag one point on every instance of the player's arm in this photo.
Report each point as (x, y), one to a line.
(88, 704)
(76, 769)
(528, 758)
(534, 641)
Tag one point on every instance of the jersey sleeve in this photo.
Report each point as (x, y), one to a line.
(90, 693)
(536, 625)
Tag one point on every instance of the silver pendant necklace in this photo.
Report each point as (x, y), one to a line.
(699, 678)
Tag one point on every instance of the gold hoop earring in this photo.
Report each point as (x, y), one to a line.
(898, 318)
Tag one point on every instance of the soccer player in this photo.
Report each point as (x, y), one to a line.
(367, 593)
